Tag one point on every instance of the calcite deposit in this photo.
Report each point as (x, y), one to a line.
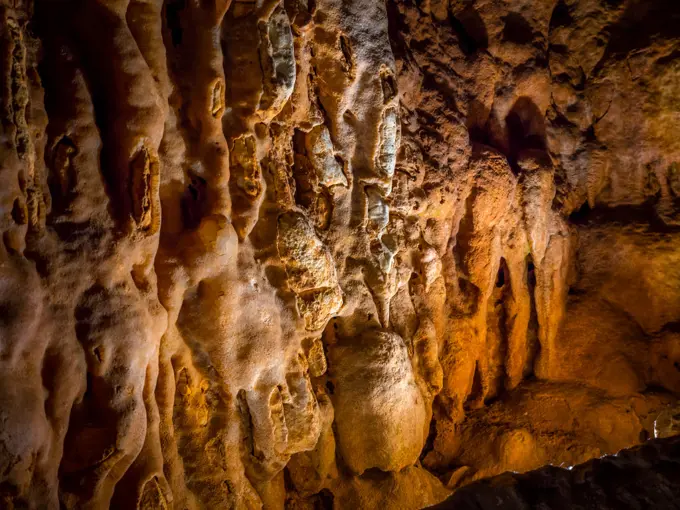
(312, 254)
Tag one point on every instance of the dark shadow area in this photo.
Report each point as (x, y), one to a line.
(640, 24)
(622, 215)
(324, 500)
(517, 29)
(471, 31)
(503, 274)
(173, 9)
(525, 127)
(580, 216)
(561, 17)
(498, 322)
(476, 122)
(396, 28)
(429, 442)
(533, 344)
(474, 399)
(194, 201)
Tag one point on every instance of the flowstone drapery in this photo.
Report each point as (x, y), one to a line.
(331, 253)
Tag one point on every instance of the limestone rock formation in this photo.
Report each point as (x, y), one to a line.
(642, 477)
(331, 253)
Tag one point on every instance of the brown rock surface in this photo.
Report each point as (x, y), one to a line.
(331, 253)
(643, 477)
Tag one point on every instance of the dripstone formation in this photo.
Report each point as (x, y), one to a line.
(328, 254)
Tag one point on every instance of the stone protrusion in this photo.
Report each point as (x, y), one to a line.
(378, 210)
(329, 171)
(316, 358)
(380, 414)
(144, 186)
(245, 167)
(310, 270)
(389, 138)
(277, 60)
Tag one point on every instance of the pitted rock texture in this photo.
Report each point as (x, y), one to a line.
(331, 253)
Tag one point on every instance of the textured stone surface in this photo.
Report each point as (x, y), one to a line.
(331, 253)
(643, 477)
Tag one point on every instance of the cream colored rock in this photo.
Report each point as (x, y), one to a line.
(277, 61)
(667, 424)
(316, 358)
(389, 139)
(310, 270)
(311, 470)
(322, 156)
(309, 264)
(317, 306)
(377, 209)
(381, 418)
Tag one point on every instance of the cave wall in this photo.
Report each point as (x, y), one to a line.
(331, 253)
(646, 476)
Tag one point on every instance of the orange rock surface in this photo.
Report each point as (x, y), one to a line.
(331, 253)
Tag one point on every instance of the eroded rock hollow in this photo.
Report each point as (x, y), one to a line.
(328, 254)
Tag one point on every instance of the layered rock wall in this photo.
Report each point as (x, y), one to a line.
(331, 253)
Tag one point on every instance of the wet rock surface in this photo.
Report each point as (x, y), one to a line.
(332, 253)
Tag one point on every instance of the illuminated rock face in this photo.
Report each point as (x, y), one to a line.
(305, 253)
(642, 477)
